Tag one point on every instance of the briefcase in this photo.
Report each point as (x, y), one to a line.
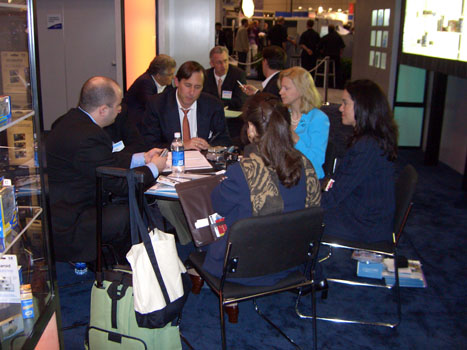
(195, 198)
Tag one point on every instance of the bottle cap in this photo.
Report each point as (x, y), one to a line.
(177, 134)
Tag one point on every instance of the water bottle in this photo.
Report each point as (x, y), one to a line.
(81, 268)
(178, 155)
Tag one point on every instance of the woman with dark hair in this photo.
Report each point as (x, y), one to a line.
(360, 204)
(275, 178)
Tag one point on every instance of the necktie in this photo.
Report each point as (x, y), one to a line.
(219, 87)
(186, 125)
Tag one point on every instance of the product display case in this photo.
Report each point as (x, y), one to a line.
(29, 306)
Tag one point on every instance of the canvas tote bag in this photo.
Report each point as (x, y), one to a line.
(160, 280)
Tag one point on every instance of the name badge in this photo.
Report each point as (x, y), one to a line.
(226, 95)
(117, 146)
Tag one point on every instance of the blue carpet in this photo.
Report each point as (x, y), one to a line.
(433, 318)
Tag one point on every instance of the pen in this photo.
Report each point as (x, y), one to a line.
(241, 85)
(213, 137)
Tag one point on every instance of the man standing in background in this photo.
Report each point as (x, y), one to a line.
(309, 42)
(242, 45)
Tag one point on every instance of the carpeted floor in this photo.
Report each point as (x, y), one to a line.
(433, 318)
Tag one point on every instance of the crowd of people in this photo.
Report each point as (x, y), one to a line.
(252, 37)
(285, 132)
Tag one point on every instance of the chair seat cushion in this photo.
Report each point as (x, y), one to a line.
(236, 290)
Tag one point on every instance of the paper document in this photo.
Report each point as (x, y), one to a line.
(193, 160)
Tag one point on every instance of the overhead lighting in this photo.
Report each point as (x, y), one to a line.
(248, 8)
(320, 9)
(299, 7)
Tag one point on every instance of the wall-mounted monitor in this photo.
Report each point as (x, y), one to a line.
(434, 36)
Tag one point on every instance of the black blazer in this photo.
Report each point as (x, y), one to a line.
(271, 86)
(161, 120)
(229, 84)
(75, 147)
(138, 95)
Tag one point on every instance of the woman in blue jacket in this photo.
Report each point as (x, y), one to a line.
(360, 205)
(309, 125)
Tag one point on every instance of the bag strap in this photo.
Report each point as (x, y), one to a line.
(138, 228)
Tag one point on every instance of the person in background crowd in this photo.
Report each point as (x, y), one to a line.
(309, 41)
(157, 78)
(360, 205)
(332, 45)
(220, 39)
(242, 45)
(277, 35)
(310, 126)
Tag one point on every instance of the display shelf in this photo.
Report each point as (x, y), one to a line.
(14, 236)
(17, 116)
(28, 242)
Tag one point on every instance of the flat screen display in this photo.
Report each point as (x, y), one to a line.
(435, 29)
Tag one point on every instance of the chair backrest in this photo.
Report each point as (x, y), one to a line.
(405, 188)
(273, 243)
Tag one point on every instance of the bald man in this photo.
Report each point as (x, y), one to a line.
(75, 147)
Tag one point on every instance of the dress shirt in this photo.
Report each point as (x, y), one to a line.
(191, 117)
(137, 159)
(266, 81)
(160, 88)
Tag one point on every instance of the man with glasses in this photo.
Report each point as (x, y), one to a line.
(157, 79)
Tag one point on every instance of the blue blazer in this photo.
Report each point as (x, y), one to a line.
(231, 199)
(161, 119)
(360, 205)
(313, 130)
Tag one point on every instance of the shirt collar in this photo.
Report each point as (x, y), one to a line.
(82, 110)
(160, 88)
(191, 108)
(266, 81)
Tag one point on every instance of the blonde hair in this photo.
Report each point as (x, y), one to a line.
(304, 83)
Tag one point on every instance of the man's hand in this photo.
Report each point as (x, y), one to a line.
(151, 153)
(158, 161)
(249, 90)
(196, 143)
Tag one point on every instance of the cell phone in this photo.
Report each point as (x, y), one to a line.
(164, 152)
(241, 85)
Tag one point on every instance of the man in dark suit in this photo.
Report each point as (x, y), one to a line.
(76, 146)
(222, 79)
(274, 58)
(198, 116)
(157, 78)
(221, 39)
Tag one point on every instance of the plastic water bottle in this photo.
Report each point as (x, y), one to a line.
(178, 155)
(81, 268)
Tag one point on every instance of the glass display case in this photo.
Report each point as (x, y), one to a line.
(29, 307)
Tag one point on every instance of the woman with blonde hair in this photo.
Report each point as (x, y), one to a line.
(309, 125)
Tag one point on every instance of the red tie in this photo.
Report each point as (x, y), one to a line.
(219, 87)
(186, 126)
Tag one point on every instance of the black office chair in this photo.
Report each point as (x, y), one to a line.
(264, 245)
(404, 190)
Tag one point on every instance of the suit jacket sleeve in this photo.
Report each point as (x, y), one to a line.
(238, 97)
(152, 129)
(353, 170)
(219, 125)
